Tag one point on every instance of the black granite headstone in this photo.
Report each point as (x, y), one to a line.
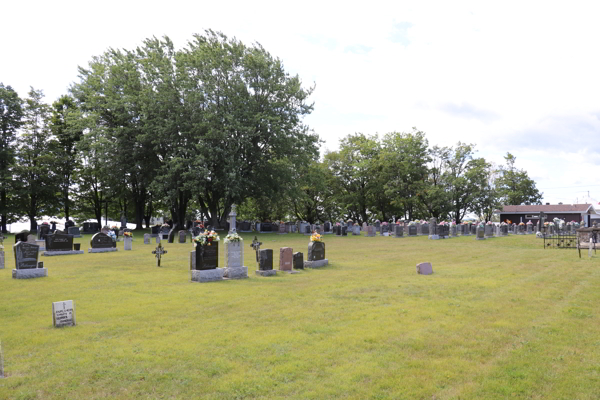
(21, 236)
(298, 260)
(207, 257)
(344, 230)
(26, 255)
(266, 227)
(59, 241)
(102, 241)
(265, 259)
(412, 230)
(316, 251)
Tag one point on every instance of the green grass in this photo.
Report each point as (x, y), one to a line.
(500, 318)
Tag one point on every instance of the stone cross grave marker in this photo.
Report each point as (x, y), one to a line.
(63, 313)
(158, 253)
(256, 246)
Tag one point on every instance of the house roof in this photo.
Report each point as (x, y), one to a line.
(550, 208)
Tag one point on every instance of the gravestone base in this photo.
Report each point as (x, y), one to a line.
(478, 238)
(207, 275)
(236, 272)
(434, 237)
(62, 252)
(316, 264)
(385, 234)
(102, 250)
(268, 272)
(29, 273)
(42, 244)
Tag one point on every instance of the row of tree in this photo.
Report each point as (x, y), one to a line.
(190, 132)
(398, 176)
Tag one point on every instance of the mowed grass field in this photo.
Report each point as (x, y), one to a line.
(499, 318)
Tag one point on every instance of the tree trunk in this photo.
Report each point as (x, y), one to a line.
(3, 206)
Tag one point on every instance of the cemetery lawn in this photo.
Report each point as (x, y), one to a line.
(499, 318)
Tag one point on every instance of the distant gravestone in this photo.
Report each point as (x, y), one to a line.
(102, 243)
(356, 230)
(424, 268)
(364, 226)
(21, 236)
(282, 229)
(182, 236)
(171, 236)
(27, 263)
(480, 233)
(63, 313)
(147, 238)
(74, 230)
(298, 260)
(154, 231)
(43, 231)
(344, 231)
(399, 231)
(164, 233)
(370, 231)
(31, 239)
(489, 231)
(285, 259)
(412, 230)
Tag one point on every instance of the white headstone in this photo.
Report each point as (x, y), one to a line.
(63, 313)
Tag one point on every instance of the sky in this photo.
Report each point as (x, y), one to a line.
(518, 77)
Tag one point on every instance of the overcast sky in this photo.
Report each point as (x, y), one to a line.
(519, 77)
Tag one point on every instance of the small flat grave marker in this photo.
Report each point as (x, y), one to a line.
(63, 313)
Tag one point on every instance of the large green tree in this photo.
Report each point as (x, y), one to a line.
(35, 178)
(243, 115)
(11, 119)
(405, 157)
(354, 167)
(66, 127)
(515, 187)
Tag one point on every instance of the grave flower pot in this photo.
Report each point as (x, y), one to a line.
(77, 246)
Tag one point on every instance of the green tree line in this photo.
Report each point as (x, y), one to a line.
(190, 132)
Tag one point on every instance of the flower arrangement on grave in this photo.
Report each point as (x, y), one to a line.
(529, 222)
(337, 224)
(350, 221)
(545, 223)
(165, 225)
(384, 223)
(128, 234)
(443, 223)
(412, 223)
(453, 223)
(539, 234)
(233, 238)
(508, 221)
(490, 223)
(356, 224)
(465, 223)
(503, 223)
(45, 223)
(482, 224)
(112, 235)
(315, 237)
(206, 238)
(114, 227)
(521, 224)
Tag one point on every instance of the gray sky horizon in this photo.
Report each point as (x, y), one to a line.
(518, 78)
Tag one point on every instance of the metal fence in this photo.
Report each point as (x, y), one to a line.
(560, 241)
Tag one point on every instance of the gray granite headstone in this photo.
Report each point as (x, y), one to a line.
(182, 236)
(26, 255)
